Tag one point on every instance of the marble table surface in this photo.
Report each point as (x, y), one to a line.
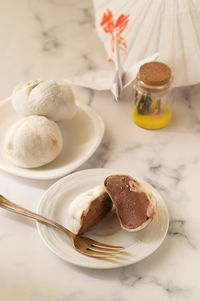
(55, 39)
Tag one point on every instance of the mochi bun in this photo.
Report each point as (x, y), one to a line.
(45, 98)
(33, 141)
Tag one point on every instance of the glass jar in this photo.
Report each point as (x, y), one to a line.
(152, 101)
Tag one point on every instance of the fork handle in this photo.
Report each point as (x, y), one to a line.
(5, 204)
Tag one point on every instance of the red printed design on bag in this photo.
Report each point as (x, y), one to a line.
(109, 26)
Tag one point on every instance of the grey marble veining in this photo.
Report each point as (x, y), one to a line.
(56, 39)
(177, 228)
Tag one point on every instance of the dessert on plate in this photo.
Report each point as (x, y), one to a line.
(87, 209)
(134, 202)
(33, 141)
(46, 98)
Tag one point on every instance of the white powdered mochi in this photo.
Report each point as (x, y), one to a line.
(33, 141)
(80, 205)
(45, 98)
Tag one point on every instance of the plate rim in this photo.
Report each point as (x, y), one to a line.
(48, 175)
(82, 265)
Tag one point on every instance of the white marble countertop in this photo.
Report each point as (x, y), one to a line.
(55, 39)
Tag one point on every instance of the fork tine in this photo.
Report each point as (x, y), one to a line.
(105, 251)
(105, 246)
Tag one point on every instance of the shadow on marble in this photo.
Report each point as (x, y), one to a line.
(102, 154)
(185, 110)
(146, 265)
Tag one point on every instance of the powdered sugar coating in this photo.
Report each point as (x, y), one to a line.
(45, 98)
(81, 204)
(33, 141)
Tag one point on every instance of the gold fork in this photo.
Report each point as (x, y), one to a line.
(82, 244)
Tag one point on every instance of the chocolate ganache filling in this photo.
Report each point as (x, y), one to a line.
(97, 209)
(130, 200)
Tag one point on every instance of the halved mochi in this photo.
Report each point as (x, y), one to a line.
(134, 202)
(88, 209)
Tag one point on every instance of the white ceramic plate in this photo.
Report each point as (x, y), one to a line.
(82, 135)
(55, 203)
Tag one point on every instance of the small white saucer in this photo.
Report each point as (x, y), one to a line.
(140, 244)
(82, 135)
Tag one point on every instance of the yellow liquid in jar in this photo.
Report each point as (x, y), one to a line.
(151, 120)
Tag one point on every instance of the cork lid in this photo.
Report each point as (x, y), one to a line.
(155, 74)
